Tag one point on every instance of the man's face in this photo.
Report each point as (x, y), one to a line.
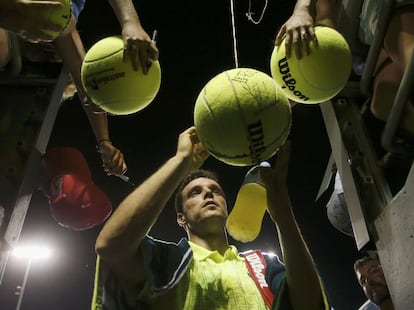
(372, 280)
(203, 198)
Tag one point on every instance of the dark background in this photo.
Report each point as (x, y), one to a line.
(195, 43)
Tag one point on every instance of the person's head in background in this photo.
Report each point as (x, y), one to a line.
(371, 278)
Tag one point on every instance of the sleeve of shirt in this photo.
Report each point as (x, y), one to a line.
(164, 264)
(110, 292)
(113, 293)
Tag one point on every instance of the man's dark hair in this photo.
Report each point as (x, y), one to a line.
(200, 173)
(362, 261)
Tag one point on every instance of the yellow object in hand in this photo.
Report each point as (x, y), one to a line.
(245, 220)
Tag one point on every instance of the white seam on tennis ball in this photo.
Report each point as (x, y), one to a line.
(210, 110)
(107, 56)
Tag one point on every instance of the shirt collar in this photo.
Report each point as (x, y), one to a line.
(201, 254)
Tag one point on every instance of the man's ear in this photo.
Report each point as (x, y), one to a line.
(181, 219)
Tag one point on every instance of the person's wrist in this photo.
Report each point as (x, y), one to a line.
(102, 143)
(184, 161)
(302, 7)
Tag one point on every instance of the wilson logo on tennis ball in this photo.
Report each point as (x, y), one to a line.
(94, 82)
(112, 83)
(289, 80)
(256, 135)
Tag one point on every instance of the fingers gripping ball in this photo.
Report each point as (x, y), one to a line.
(111, 82)
(242, 117)
(317, 77)
(60, 17)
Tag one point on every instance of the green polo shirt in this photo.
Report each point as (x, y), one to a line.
(221, 282)
(213, 281)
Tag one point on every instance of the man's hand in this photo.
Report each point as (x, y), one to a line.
(191, 149)
(275, 181)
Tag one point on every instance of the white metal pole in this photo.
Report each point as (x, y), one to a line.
(26, 275)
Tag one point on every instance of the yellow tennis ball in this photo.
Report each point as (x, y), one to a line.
(317, 77)
(242, 117)
(111, 82)
(59, 16)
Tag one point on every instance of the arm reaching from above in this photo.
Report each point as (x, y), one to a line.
(72, 51)
(299, 28)
(139, 47)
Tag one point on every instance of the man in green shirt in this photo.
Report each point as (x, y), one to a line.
(135, 271)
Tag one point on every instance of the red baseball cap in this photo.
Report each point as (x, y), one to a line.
(75, 201)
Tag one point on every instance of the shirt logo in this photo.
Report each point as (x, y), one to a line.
(257, 267)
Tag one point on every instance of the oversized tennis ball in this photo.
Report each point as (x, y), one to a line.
(242, 117)
(111, 82)
(59, 17)
(317, 77)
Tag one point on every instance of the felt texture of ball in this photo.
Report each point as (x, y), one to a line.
(316, 77)
(111, 82)
(59, 16)
(242, 117)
